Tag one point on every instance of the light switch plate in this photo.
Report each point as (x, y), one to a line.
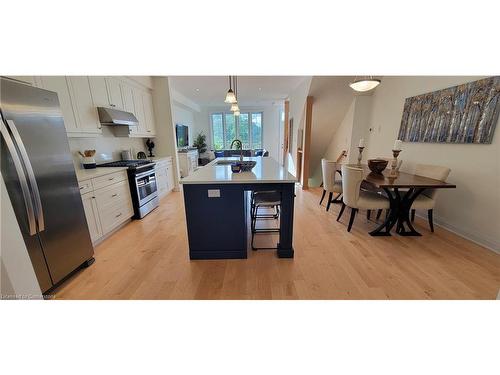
(213, 193)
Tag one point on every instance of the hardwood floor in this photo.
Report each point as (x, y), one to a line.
(148, 259)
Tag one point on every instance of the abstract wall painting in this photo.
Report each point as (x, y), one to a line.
(466, 113)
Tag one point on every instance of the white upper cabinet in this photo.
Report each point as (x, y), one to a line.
(80, 96)
(84, 107)
(128, 97)
(147, 99)
(114, 93)
(59, 85)
(78, 108)
(99, 91)
(139, 111)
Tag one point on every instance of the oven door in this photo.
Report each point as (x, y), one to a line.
(145, 183)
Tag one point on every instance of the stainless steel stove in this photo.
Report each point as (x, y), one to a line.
(142, 180)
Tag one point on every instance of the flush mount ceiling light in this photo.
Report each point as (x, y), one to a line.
(364, 84)
(230, 97)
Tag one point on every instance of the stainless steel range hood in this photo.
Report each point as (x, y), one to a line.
(115, 117)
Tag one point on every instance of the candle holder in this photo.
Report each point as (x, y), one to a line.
(360, 155)
(394, 163)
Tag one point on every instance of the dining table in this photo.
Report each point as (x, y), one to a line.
(401, 189)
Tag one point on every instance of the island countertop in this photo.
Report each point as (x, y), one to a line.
(267, 170)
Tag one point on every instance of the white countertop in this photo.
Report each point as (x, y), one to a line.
(160, 158)
(267, 170)
(85, 174)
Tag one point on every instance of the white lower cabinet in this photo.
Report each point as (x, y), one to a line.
(188, 162)
(108, 204)
(164, 176)
(90, 207)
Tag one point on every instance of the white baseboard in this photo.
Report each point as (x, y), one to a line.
(489, 244)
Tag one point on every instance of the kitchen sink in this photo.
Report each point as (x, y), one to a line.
(226, 162)
(246, 165)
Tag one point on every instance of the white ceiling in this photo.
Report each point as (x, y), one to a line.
(252, 90)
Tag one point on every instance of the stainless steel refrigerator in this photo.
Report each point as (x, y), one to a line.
(37, 167)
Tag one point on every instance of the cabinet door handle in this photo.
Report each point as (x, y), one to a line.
(114, 195)
(112, 105)
(82, 187)
(111, 179)
(120, 214)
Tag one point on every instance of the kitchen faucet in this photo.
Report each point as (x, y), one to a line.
(238, 145)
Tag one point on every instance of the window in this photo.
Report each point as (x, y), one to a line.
(246, 127)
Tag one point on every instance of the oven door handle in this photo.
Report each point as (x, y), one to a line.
(142, 184)
(147, 173)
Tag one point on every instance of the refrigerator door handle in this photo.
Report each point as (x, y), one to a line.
(31, 175)
(22, 178)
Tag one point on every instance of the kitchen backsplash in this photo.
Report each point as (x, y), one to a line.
(107, 146)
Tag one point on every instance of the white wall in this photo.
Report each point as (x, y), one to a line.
(360, 126)
(271, 133)
(341, 139)
(165, 129)
(331, 99)
(470, 210)
(183, 115)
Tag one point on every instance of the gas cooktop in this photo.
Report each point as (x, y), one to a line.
(131, 164)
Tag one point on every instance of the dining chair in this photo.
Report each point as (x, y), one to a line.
(427, 199)
(358, 199)
(330, 184)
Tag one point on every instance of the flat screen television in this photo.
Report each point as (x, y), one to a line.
(182, 135)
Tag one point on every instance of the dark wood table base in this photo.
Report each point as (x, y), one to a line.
(399, 213)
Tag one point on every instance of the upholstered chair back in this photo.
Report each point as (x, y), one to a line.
(435, 172)
(351, 183)
(328, 169)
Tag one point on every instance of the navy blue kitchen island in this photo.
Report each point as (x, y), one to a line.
(216, 202)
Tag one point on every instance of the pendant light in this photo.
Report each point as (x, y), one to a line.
(230, 97)
(234, 107)
(365, 84)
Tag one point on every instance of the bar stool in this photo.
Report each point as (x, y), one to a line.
(264, 200)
